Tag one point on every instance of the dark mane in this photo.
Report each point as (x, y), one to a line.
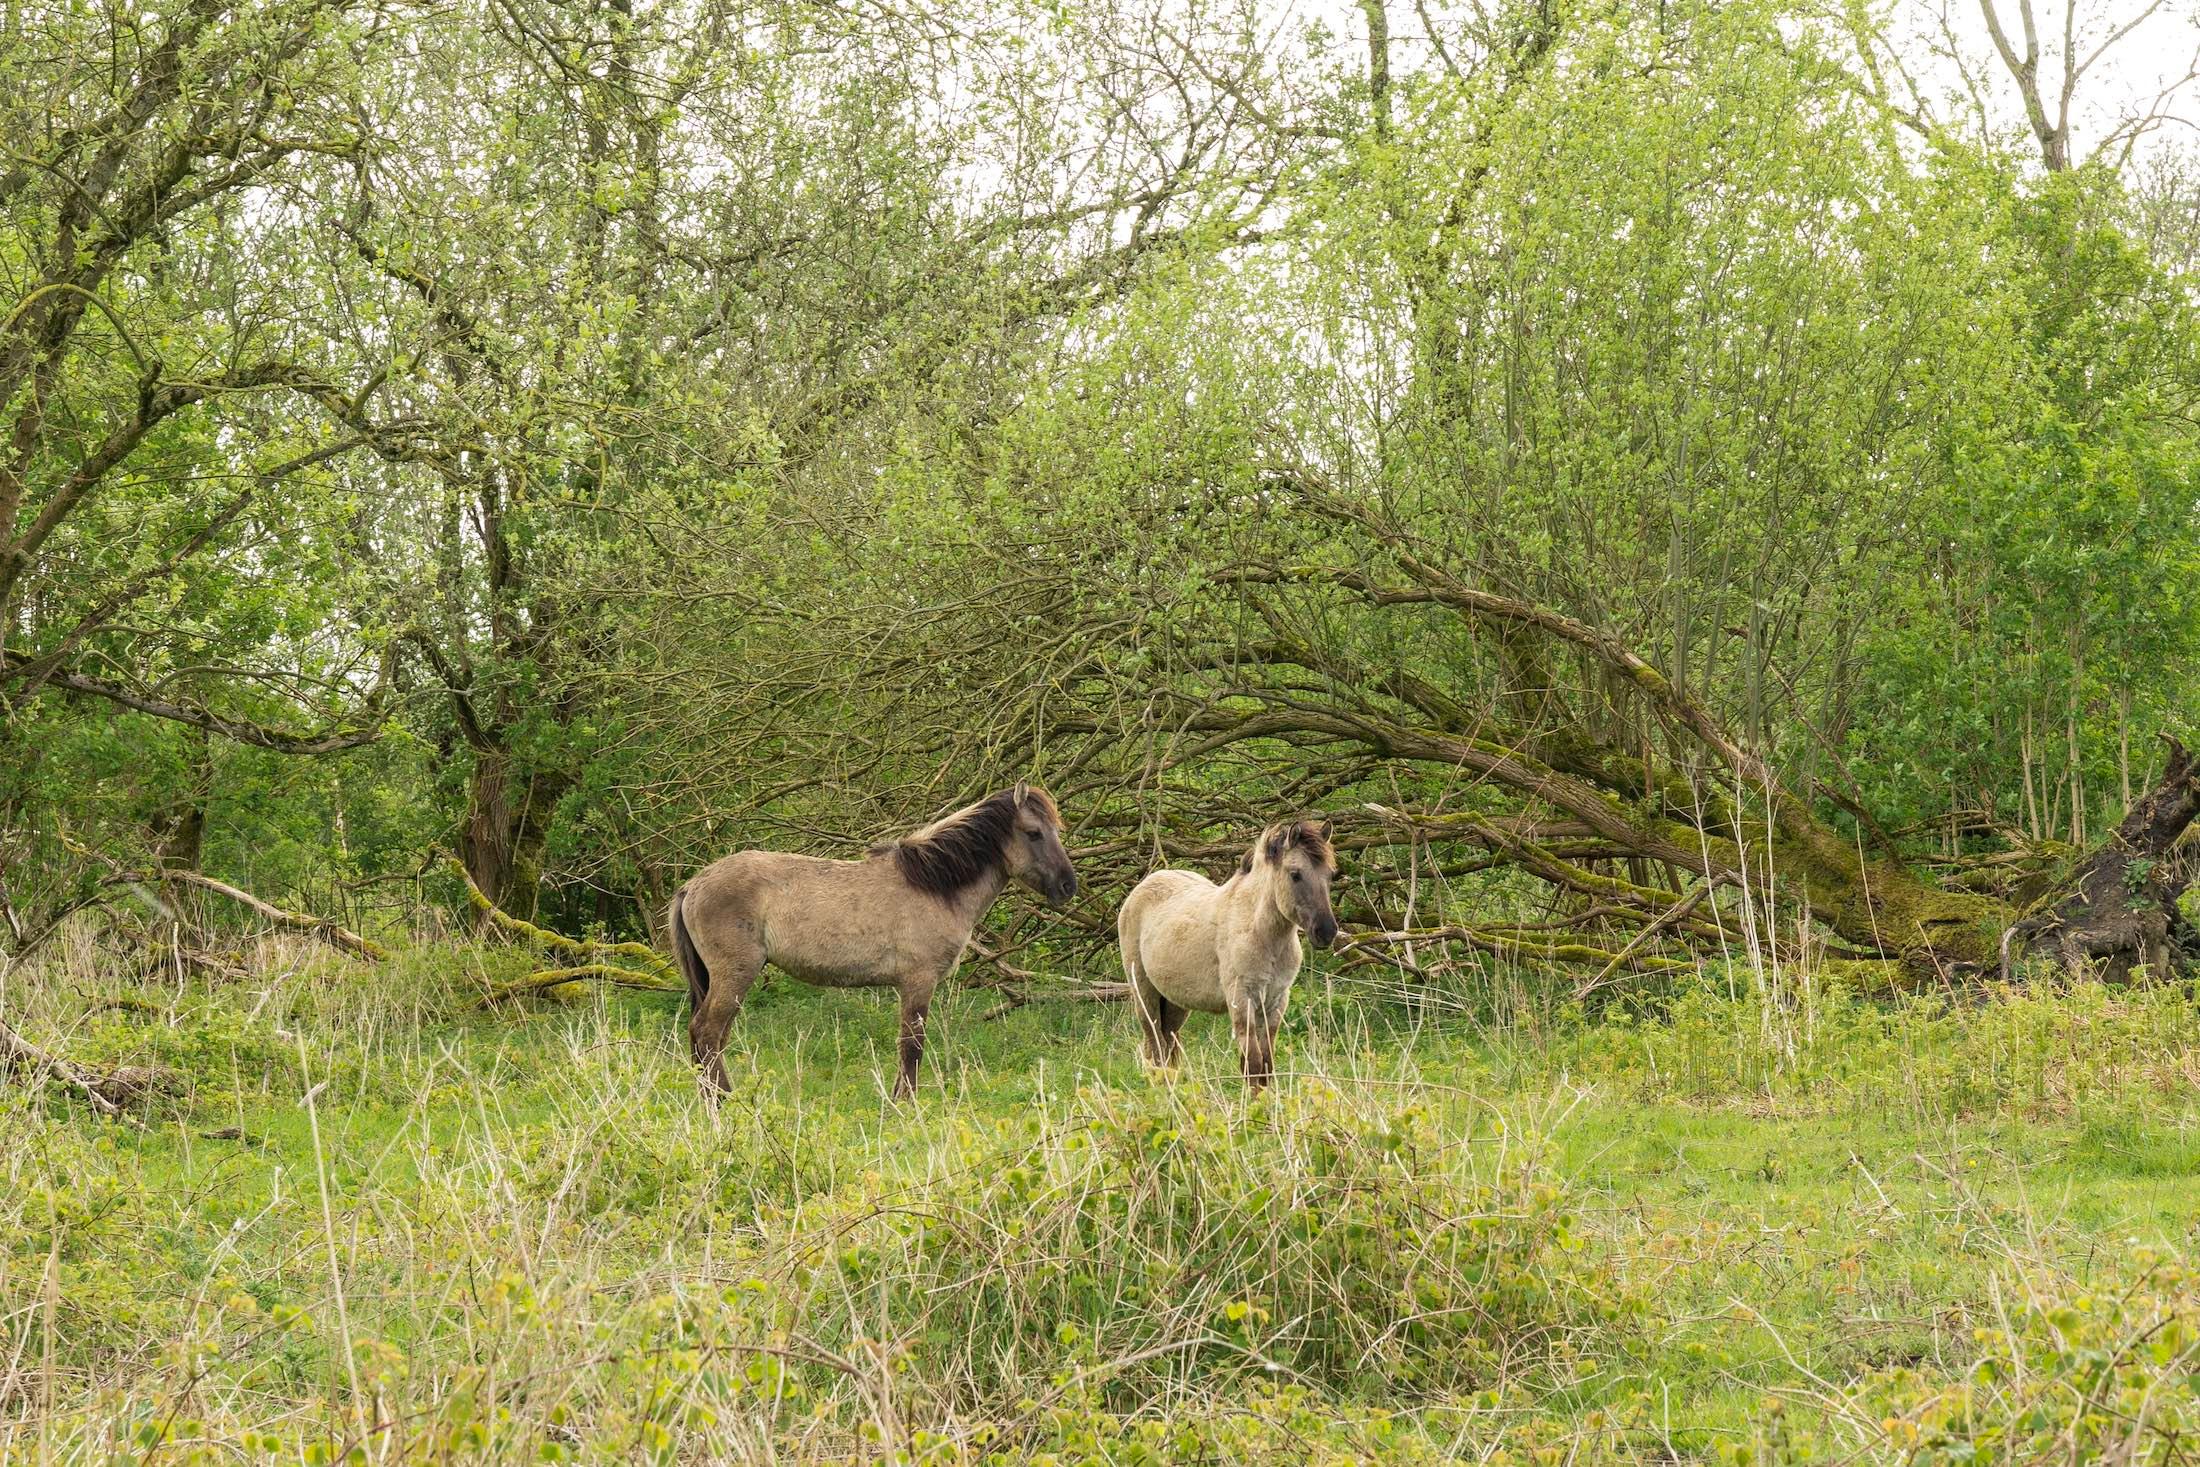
(956, 855)
(1317, 844)
(1304, 833)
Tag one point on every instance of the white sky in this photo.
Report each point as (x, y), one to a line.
(1944, 40)
(2127, 79)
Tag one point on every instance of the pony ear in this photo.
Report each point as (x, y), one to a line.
(1323, 828)
(1275, 844)
(1022, 794)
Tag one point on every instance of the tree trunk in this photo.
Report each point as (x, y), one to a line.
(2119, 903)
(507, 823)
(179, 837)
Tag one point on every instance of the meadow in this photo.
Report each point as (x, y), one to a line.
(1698, 496)
(383, 1223)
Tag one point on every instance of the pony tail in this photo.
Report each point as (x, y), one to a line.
(683, 949)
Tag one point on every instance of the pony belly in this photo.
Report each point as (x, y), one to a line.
(1183, 980)
(845, 954)
(823, 972)
(1175, 939)
(839, 924)
(1199, 998)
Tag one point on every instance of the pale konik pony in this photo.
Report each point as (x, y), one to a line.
(1234, 948)
(900, 918)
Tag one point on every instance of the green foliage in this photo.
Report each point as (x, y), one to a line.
(2063, 1051)
(1162, 1240)
(769, 428)
(2069, 1371)
(2063, 543)
(681, 426)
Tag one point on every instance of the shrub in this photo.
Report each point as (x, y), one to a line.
(1176, 1236)
(2065, 1375)
(2076, 1376)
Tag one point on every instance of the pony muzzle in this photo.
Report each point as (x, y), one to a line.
(1324, 931)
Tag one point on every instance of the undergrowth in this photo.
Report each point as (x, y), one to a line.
(383, 1224)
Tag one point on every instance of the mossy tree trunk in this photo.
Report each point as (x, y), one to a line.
(2118, 906)
(508, 815)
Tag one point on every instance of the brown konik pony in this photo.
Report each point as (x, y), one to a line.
(900, 918)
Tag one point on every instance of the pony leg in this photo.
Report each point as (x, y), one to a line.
(1254, 1020)
(1171, 1051)
(1270, 1024)
(916, 1002)
(730, 983)
(1260, 1055)
(1158, 1020)
(1249, 1028)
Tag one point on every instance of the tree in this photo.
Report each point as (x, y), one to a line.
(1588, 453)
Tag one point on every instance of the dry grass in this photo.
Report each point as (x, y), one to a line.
(383, 1225)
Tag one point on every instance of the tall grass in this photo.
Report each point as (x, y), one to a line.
(383, 1225)
(418, 1234)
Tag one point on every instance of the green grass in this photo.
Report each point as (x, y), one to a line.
(388, 1224)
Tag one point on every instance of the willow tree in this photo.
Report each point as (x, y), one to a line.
(1541, 499)
(917, 257)
(1685, 361)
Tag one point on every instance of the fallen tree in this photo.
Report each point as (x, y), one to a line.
(2118, 905)
(1660, 836)
(109, 1091)
(621, 964)
(327, 930)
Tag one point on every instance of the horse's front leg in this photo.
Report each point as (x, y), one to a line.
(916, 1002)
(1254, 1036)
(1260, 1053)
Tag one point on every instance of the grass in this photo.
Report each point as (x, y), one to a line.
(384, 1225)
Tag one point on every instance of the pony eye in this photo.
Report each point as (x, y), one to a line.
(1032, 834)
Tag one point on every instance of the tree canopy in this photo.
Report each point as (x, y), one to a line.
(1660, 485)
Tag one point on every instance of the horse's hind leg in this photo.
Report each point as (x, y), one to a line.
(735, 960)
(1170, 1049)
(916, 1003)
(1148, 1001)
(1158, 1021)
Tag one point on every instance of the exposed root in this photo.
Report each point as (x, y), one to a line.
(109, 1091)
(654, 972)
(2119, 906)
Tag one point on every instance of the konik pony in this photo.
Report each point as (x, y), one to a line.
(900, 918)
(1234, 948)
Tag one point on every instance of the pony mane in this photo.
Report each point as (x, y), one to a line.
(949, 855)
(1304, 833)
